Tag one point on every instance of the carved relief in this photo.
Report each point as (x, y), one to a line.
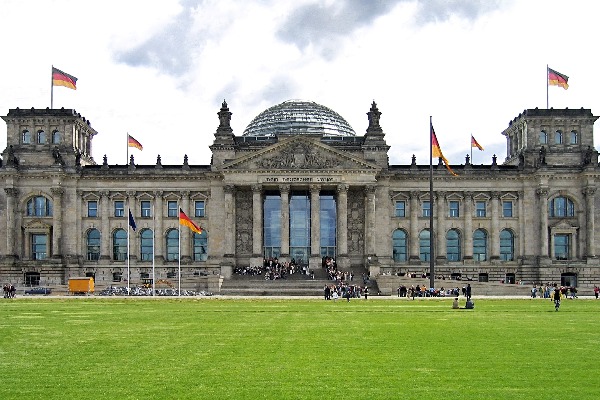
(356, 221)
(299, 156)
(243, 221)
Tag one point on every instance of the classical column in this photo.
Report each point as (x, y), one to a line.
(159, 239)
(522, 227)
(57, 220)
(284, 190)
(186, 233)
(468, 226)
(342, 220)
(257, 221)
(11, 196)
(315, 221)
(543, 199)
(105, 233)
(440, 232)
(495, 231)
(589, 202)
(414, 226)
(229, 221)
(370, 219)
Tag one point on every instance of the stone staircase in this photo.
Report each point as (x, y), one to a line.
(292, 285)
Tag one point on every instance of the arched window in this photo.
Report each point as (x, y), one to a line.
(558, 137)
(453, 245)
(424, 245)
(543, 137)
(399, 245)
(39, 206)
(561, 207)
(93, 245)
(479, 245)
(507, 245)
(120, 245)
(173, 245)
(200, 243)
(41, 137)
(146, 245)
(573, 137)
(55, 137)
(26, 137)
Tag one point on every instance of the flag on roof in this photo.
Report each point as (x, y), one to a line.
(436, 151)
(131, 142)
(555, 78)
(60, 78)
(475, 144)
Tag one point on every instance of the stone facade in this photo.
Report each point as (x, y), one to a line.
(534, 218)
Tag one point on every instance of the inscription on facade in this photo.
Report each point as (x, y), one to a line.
(299, 179)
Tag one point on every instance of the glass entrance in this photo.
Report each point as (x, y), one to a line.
(300, 226)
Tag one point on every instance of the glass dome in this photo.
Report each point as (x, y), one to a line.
(298, 117)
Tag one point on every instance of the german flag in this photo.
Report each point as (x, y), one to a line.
(60, 78)
(186, 221)
(555, 78)
(131, 142)
(475, 144)
(436, 151)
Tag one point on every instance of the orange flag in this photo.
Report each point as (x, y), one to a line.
(475, 144)
(436, 151)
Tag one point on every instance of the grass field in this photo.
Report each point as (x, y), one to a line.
(211, 348)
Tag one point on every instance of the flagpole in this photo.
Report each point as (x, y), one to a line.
(51, 88)
(471, 146)
(127, 140)
(431, 250)
(128, 275)
(153, 244)
(547, 84)
(179, 263)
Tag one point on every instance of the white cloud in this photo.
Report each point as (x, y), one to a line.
(160, 70)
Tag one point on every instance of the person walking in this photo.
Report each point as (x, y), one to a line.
(556, 297)
(596, 291)
(468, 292)
(366, 292)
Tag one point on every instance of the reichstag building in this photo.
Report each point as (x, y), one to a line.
(299, 184)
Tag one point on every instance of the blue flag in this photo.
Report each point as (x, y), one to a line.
(132, 221)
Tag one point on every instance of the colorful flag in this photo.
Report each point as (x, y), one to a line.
(436, 151)
(132, 221)
(60, 78)
(131, 142)
(475, 144)
(185, 221)
(557, 79)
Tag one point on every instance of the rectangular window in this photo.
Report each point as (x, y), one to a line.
(454, 209)
(199, 208)
(561, 246)
(480, 211)
(92, 209)
(426, 209)
(172, 209)
(145, 209)
(400, 209)
(38, 246)
(119, 208)
(507, 209)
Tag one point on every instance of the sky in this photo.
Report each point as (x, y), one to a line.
(159, 70)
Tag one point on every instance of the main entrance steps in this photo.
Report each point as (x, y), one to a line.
(292, 285)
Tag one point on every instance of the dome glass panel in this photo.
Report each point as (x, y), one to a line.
(298, 117)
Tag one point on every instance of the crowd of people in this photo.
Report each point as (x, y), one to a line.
(273, 269)
(9, 291)
(547, 291)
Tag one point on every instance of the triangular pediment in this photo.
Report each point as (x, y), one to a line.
(299, 153)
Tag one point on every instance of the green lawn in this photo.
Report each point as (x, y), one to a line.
(210, 348)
